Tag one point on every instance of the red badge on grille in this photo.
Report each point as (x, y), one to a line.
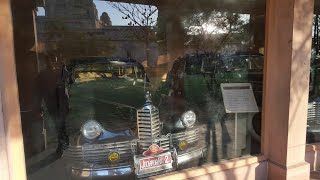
(152, 150)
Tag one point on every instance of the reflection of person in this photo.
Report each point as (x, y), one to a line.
(51, 88)
(176, 77)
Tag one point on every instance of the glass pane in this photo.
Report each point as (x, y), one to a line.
(124, 90)
(313, 119)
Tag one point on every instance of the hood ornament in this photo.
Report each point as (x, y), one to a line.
(148, 98)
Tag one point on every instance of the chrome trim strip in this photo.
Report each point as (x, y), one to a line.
(126, 172)
(190, 156)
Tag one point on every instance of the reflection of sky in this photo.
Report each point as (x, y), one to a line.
(40, 11)
(102, 6)
(115, 16)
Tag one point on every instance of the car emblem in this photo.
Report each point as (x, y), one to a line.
(113, 157)
(152, 150)
(183, 145)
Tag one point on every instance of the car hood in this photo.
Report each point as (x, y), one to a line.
(111, 102)
(109, 137)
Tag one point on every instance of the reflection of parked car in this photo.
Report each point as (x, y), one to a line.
(111, 135)
(214, 69)
(200, 63)
(313, 122)
(241, 68)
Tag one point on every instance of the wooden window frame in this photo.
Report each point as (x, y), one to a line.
(280, 166)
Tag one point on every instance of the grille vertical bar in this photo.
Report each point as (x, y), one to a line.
(148, 123)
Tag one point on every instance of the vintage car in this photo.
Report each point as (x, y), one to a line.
(246, 67)
(243, 67)
(115, 123)
(313, 118)
(239, 67)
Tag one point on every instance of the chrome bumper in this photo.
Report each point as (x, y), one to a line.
(184, 160)
(97, 173)
(191, 158)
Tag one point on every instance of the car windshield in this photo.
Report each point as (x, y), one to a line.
(114, 69)
(104, 92)
(244, 62)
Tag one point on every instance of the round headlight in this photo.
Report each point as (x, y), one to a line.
(91, 129)
(188, 119)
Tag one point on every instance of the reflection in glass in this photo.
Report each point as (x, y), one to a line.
(134, 90)
(313, 118)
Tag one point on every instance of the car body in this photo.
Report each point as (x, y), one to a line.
(243, 67)
(246, 67)
(313, 121)
(239, 67)
(115, 125)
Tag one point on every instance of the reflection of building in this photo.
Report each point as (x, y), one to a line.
(80, 16)
(124, 39)
(74, 13)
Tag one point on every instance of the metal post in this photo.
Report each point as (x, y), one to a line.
(236, 134)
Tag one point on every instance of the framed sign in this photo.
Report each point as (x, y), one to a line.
(238, 98)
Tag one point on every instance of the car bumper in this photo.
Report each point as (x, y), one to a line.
(191, 158)
(313, 134)
(97, 173)
(187, 159)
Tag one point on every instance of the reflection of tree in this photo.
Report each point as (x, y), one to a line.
(211, 31)
(208, 33)
(66, 44)
(315, 59)
(142, 16)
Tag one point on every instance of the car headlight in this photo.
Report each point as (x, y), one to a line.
(188, 119)
(91, 129)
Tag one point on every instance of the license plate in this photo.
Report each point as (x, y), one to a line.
(155, 163)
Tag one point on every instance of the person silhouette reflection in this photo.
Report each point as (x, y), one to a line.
(55, 99)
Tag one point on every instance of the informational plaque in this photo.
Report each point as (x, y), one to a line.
(238, 98)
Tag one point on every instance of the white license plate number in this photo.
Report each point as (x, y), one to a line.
(155, 163)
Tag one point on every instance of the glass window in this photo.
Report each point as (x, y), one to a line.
(135, 90)
(313, 119)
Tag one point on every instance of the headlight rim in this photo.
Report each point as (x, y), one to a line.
(186, 125)
(100, 129)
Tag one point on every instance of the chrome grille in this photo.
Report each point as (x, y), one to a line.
(163, 142)
(98, 153)
(148, 123)
(314, 112)
(191, 136)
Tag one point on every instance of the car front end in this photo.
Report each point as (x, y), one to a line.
(191, 147)
(100, 154)
(188, 135)
(113, 137)
(93, 162)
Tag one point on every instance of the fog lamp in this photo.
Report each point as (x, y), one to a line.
(114, 156)
(183, 145)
